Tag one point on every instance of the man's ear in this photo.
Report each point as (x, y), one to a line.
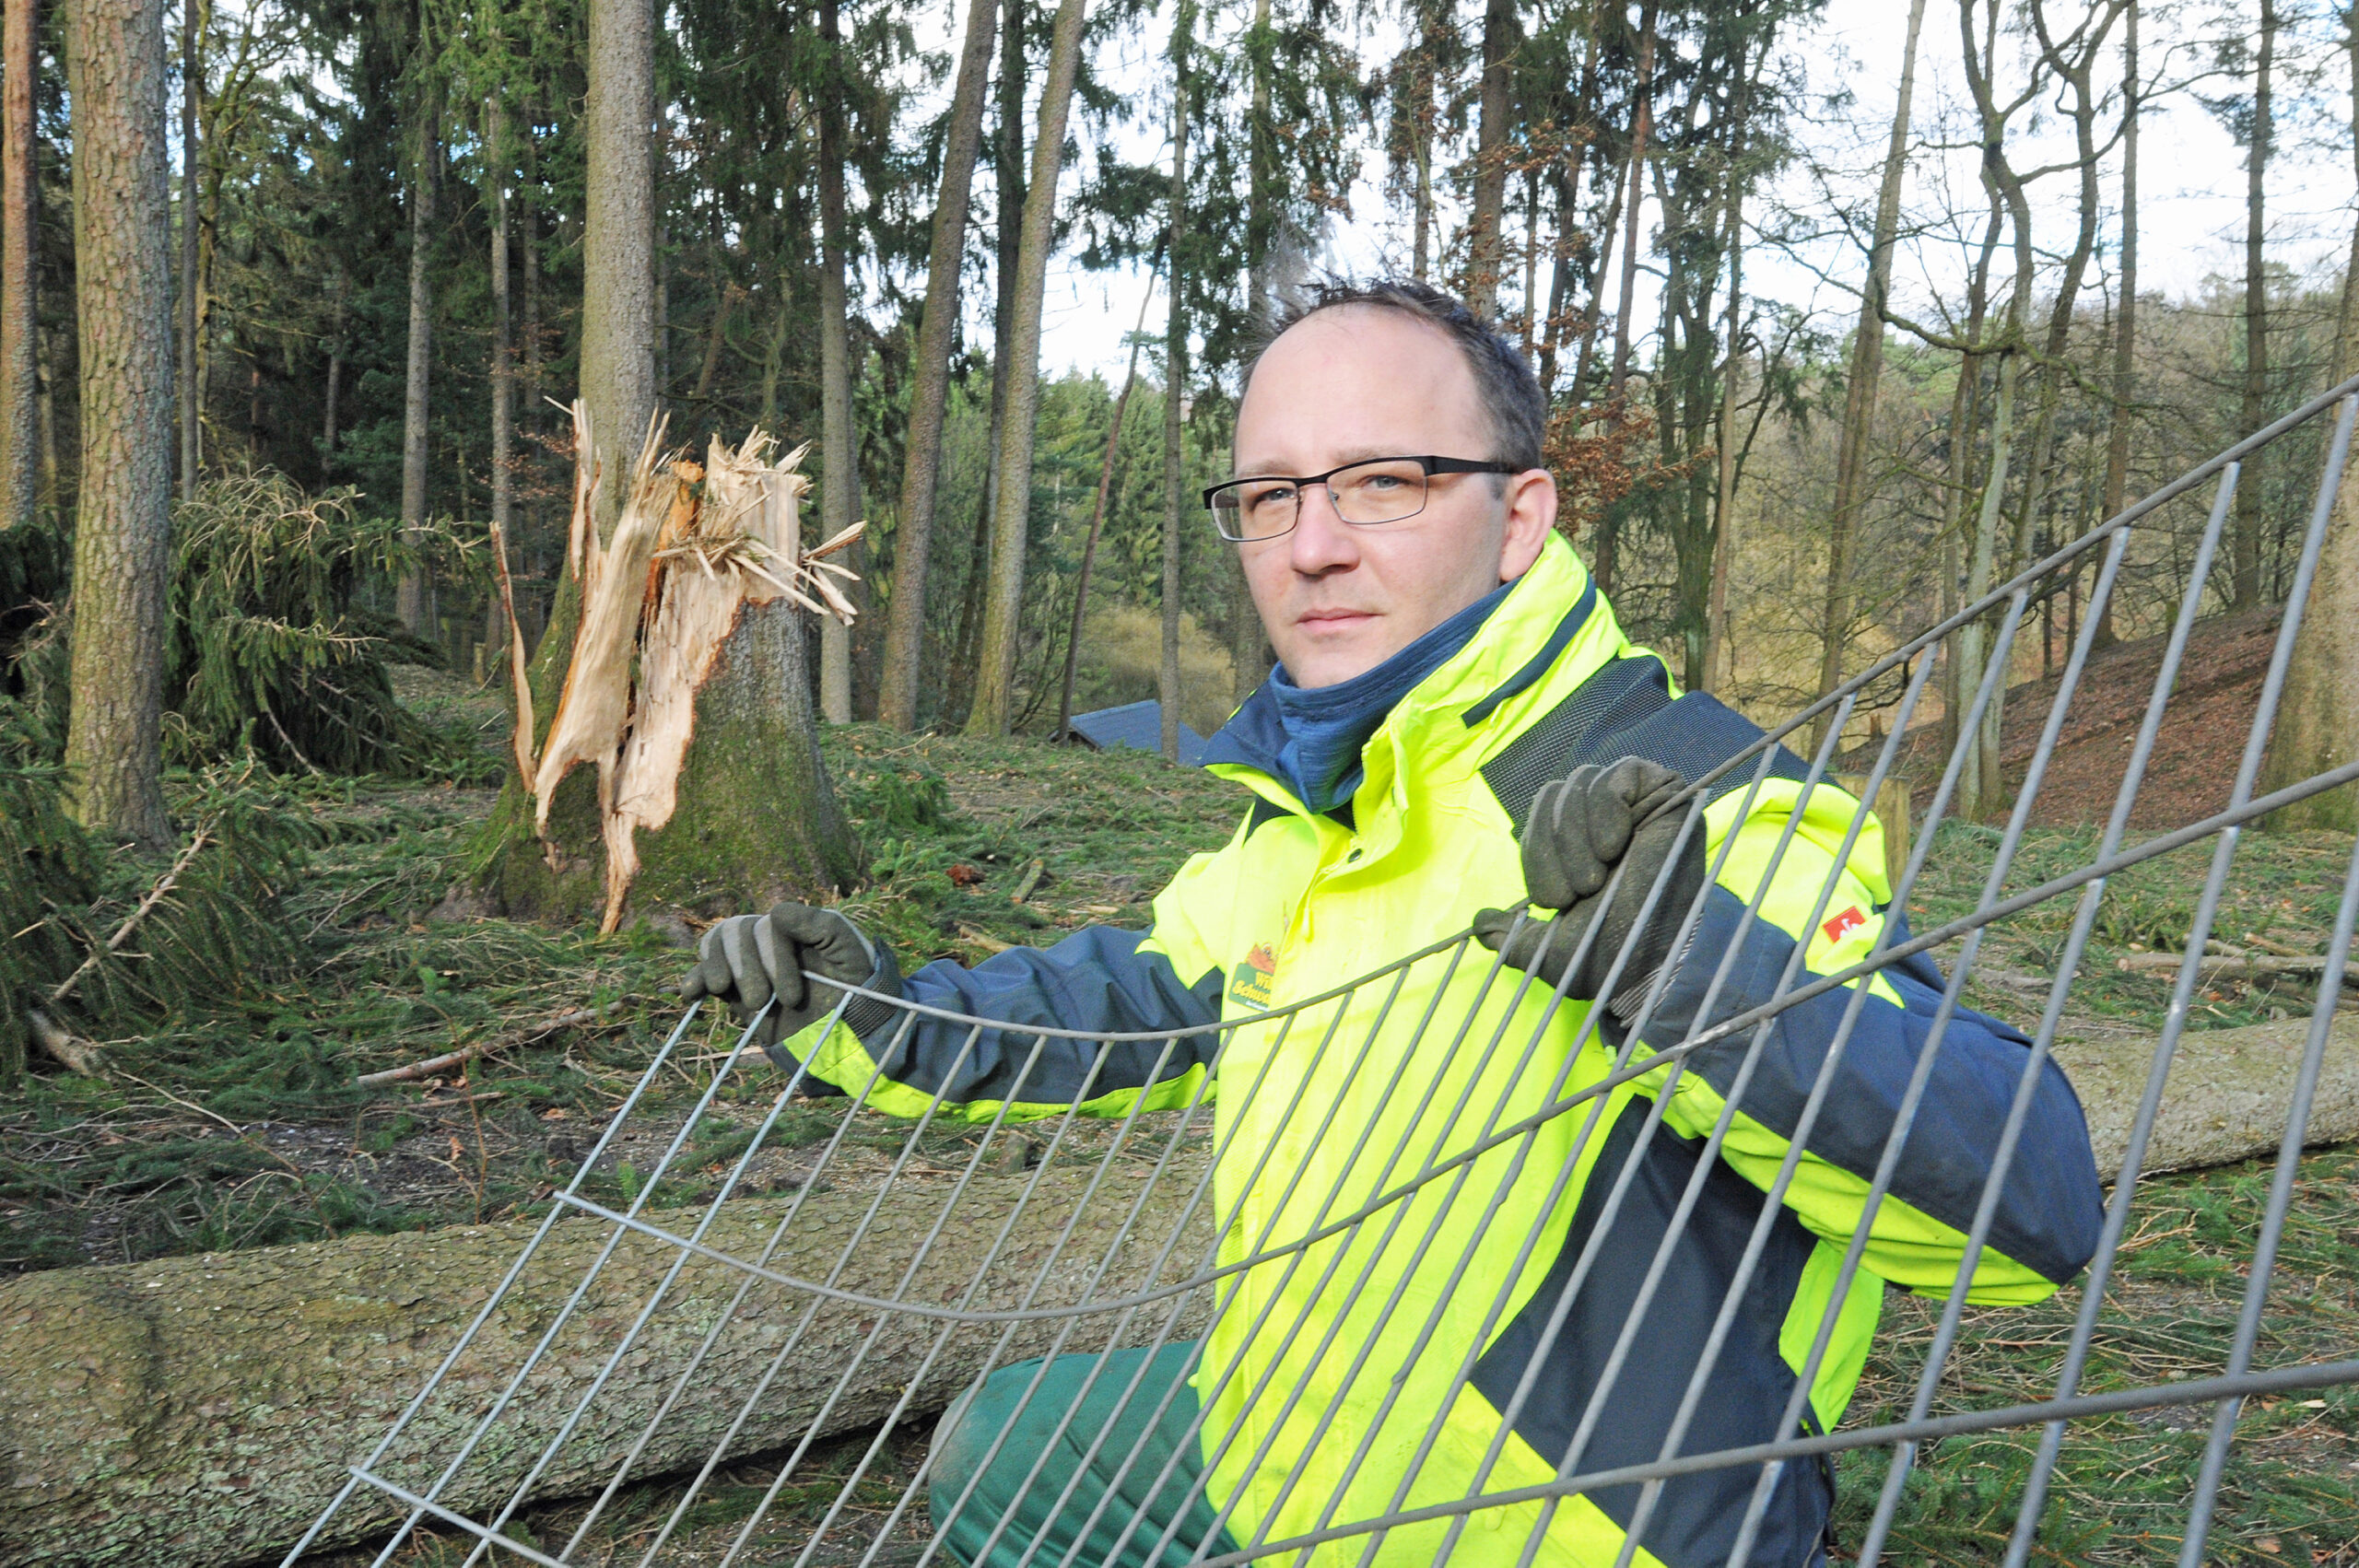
(1531, 514)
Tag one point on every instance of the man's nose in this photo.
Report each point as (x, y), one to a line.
(1322, 540)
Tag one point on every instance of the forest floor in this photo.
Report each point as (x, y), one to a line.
(246, 1128)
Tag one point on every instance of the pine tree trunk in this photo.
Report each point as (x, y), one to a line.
(2320, 713)
(192, 93)
(839, 443)
(20, 320)
(1860, 395)
(123, 527)
(1012, 488)
(504, 361)
(753, 817)
(928, 398)
(410, 592)
(2245, 591)
(1485, 228)
(1175, 384)
(199, 1412)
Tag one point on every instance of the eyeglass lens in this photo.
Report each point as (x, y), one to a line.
(1383, 491)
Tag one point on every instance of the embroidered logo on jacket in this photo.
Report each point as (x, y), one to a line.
(1248, 983)
(1842, 925)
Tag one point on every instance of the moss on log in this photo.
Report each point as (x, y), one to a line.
(203, 1411)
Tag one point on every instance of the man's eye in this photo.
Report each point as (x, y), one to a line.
(1381, 483)
(1265, 496)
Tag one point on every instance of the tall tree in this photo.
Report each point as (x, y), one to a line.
(410, 601)
(123, 528)
(1175, 382)
(2125, 313)
(839, 439)
(20, 320)
(2320, 713)
(1859, 392)
(1485, 228)
(191, 313)
(897, 703)
(2260, 135)
(497, 167)
(1012, 484)
(1603, 554)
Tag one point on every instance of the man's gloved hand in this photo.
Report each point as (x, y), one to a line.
(748, 960)
(1581, 827)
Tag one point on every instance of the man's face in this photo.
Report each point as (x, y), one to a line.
(1364, 382)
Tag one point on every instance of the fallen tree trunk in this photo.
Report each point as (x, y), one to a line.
(203, 1411)
(2229, 1094)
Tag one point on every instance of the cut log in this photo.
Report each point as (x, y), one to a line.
(204, 1410)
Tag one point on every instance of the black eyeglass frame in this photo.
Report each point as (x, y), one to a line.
(1431, 465)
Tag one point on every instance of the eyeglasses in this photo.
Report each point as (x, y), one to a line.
(1377, 489)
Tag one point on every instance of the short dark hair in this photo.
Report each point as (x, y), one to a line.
(1510, 392)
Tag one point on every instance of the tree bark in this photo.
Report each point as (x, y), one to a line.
(1485, 226)
(897, 703)
(192, 311)
(20, 318)
(618, 240)
(504, 361)
(1860, 395)
(123, 528)
(2125, 315)
(838, 441)
(1007, 174)
(2245, 591)
(1175, 385)
(201, 1411)
(2320, 712)
(409, 593)
(1012, 488)
(1603, 564)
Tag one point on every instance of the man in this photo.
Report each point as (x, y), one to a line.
(1450, 682)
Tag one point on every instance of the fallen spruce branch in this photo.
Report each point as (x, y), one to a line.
(570, 1019)
(77, 1053)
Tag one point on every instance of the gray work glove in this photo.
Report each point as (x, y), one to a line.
(748, 960)
(1580, 828)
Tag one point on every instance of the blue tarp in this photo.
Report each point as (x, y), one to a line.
(1138, 725)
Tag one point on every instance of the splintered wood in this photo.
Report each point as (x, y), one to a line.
(660, 600)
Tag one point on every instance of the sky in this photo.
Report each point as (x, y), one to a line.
(2191, 178)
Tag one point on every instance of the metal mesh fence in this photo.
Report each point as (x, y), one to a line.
(900, 1264)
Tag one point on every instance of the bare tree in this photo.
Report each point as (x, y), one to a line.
(123, 526)
(1012, 484)
(1097, 511)
(19, 322)
(1867, 368)
(928, 398)
(504, 361)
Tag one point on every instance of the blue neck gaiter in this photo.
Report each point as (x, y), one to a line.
(1326, 726)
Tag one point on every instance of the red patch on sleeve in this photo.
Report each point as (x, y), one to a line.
(1849, 921)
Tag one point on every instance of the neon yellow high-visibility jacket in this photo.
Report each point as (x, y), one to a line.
(1326, 1374)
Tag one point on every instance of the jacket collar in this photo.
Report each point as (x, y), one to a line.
(1516, 648)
